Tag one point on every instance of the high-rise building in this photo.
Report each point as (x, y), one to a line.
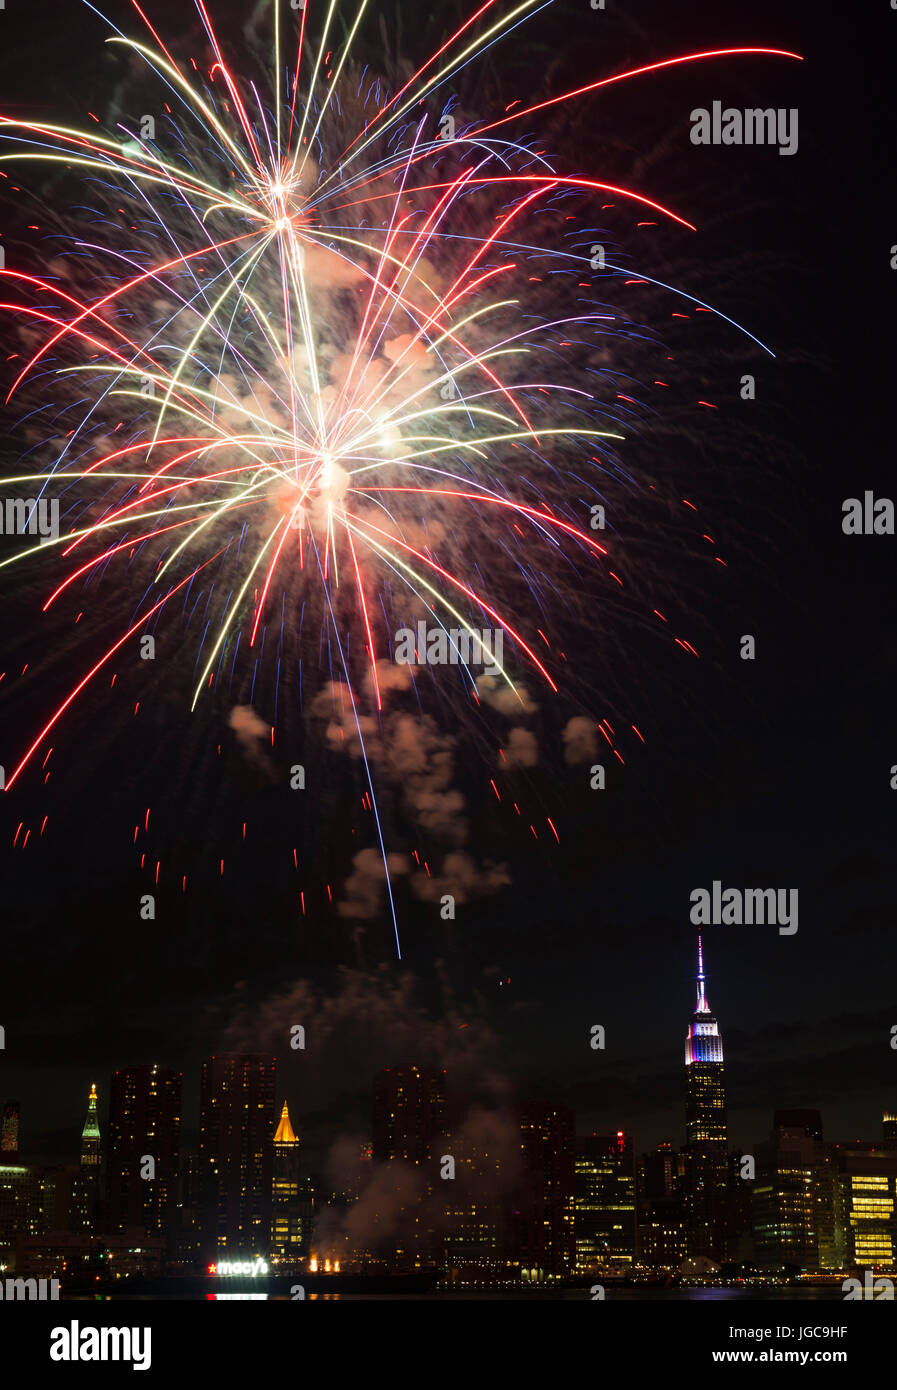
(143, 1149)
(352, 1177)
(866, 1205)
(27, 1206)
(739, 1208)
(91, 1155)
(794, 1195)
(604, 1201)
(9, 1135)
(889, 1125)
(184, 1246)
(706, 1179)
(408, 1113)
(85, 1201)
(85, 1186)
(475, 1210)
(236, 1125)
(408, 1127)
(292, 1203)
(661, 1222)
(544, 1206)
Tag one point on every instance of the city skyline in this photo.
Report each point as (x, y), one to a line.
(580, 1200)
(602, 1114)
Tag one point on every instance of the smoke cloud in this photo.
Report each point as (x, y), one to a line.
(252, 735)
(580, 740)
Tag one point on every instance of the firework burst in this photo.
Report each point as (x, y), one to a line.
(303, 368)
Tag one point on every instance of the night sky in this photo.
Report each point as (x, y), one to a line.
(771, 773)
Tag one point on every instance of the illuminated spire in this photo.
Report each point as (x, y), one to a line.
(90, 1134)
(284, 1133)
(705, 1186)
(703, 1043)
(702, 1006)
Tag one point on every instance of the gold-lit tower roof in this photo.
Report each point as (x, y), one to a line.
(284, 1133)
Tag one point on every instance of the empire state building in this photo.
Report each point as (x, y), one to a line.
(705, 1129)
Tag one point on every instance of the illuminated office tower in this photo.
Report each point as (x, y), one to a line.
(474, 1207)
(408, 1113)
(27, 1204)
(408, 1130)
(866, 1205)
(9, 1135)
(706, 1178)
(544, 1204)
(794, 1195)
(144, 1124)
(604, 1201)
(661, 1228)
(90, 1135)
(292, 1209)
(236, 1126)
(85, 1198)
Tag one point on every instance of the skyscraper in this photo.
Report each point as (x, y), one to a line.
(90, 1134)
(144, 1123)
(85, 1200)
(292, 1208)
(408, 1125)
(27, 1206)
(794, 1194)
(408, 1113)
(705, 1128)
(661, 1231)
(9, 1136)
(544, 1205)
(474, 1203)
(866, 1204)
(236, 1125)
(605, 1201)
